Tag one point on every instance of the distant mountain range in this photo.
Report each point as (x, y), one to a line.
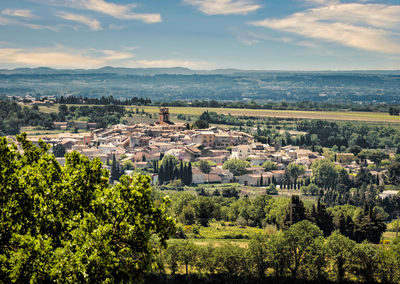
(171, 71)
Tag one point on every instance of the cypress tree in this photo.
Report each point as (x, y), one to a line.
(161, 175)
(295, 212)
(190, 177)
(313, 215)
(261, 180)
(114, 170)
(369, 226)
(324, 219)
(349, 228)
(181, 172)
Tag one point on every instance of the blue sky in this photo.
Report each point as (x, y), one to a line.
(201, 34)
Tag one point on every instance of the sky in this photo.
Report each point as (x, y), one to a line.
(201, 34)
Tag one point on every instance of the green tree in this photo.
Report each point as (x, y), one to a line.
(365, 263)
(324, 173)
(204, 167)
(67, 223)
(188, 216)
(200, 124)
(128, 165)
(324, 219)
(339, 250)
(299, 239)
(236, 166)
(259, 254)
(377, 156)
(269, 166)
(172, 256)
(369, 225)
(59, 150)
(295, 212)
(355, 149)
(295, 170)
(393, 173)
(187, 254)
(310, 189)
(204, 208)
(232, 261)
(271, 189)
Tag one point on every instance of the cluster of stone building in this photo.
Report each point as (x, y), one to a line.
(145, 143)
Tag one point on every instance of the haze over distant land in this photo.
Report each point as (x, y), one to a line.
(166, 84)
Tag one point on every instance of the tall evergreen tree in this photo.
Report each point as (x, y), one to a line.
(324, 219)
(190, 175)
(369, 225)
(161, 174)
(295, 212)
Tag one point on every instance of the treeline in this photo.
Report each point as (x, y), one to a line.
(213, 117)
(338, 136)
(189, 209)
(110, 100)
(329, 134)
(282, 105)
(300, 254)
(13, 117)
(101, 115)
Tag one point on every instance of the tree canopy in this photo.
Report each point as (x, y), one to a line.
(236, 166)
(68, 223)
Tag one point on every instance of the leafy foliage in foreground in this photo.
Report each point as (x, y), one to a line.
(66, 224)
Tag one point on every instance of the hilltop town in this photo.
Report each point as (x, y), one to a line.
(144, 144)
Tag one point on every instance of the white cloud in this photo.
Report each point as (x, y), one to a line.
(169, 63)
(91, 23)
(14, 22)
(118, 11)
(23, 13)
(62, 57)
(251, 38)
(224, 7)
(321, 2)
(372, 27)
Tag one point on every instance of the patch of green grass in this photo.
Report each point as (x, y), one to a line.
(228, 231)
(220, 233)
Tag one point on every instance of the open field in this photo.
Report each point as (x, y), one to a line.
(32, 131)
(376, 118)
(220, 233)
(329, 115)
